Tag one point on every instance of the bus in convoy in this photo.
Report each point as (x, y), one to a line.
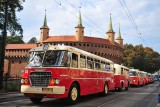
(150, 78)
(141, 79)
(65, 72)
(145, 77)
(121, 77)
(135, 77)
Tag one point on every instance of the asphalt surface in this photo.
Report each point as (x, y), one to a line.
(144, 96)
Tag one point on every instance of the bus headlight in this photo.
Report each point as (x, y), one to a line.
(57, 81)
(54, 81)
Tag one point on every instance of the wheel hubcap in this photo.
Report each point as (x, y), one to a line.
(74, 93)
(106, 89)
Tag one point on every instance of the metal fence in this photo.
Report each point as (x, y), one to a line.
(11, 84)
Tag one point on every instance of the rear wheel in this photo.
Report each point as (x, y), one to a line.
(36, 100)
(120, 89)
(105, 90)
(73, 94)
(126, 88)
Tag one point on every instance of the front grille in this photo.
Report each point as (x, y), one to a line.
(40, 79)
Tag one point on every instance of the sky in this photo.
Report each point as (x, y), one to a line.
(139, 19)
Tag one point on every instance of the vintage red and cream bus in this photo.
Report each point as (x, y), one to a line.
(135, 77)
(141, 79)
(65, 72)
(150, 78)
(121, 77)
(145, 77)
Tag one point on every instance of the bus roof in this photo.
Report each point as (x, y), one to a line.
(117, 65)
(72, 49)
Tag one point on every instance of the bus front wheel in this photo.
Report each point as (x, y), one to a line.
(73, 94)
(36, 100)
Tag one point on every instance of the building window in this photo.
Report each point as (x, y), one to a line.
(12, 62)
(20, 62)
(84, 44)
(88, 45)
(79, 44)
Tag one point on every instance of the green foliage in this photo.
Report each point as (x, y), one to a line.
(13, 86)
(141, 58)
(32, 41)
(14, 40)
(13, 25)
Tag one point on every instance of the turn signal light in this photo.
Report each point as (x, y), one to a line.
(24, 81)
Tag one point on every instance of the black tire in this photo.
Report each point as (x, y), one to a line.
(105, 90)
(138, 84)
(36, 100)
(119, 89)
(126, 88)
(73, 95)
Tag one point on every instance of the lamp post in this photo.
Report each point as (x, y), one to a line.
(3, 42)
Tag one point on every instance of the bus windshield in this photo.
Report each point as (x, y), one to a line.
(132, 73)
(50, 58)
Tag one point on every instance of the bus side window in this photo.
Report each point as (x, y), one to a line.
(103, 66)
(74, 60)
(97, 65)
(108, 67)
(114, 70)
(121, 71)
(82, 61)
(90, 63)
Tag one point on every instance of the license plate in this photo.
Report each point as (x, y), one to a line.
(47, 89)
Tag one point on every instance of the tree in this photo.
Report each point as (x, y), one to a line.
(33, 40)
(14, 40)
(141, 58)
(13, 25)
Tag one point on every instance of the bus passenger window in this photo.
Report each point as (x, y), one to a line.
(97, 65)
(74, 60)
(121, 71)
(108, 67)
(90, 63)
(82, 61)
(103, 66)
(114, 70)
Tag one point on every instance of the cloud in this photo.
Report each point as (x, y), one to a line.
(95, 15)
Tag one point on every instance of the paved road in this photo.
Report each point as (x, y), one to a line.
(145, 96)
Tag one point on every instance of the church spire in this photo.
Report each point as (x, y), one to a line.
(110, 25)
(119, 33)
(44, 30)
(79, 20)
(110, 34)
(45, 22)
(79, 29)
(119, 39)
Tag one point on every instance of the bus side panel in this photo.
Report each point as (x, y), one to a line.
(110, 81)
(117, 81)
